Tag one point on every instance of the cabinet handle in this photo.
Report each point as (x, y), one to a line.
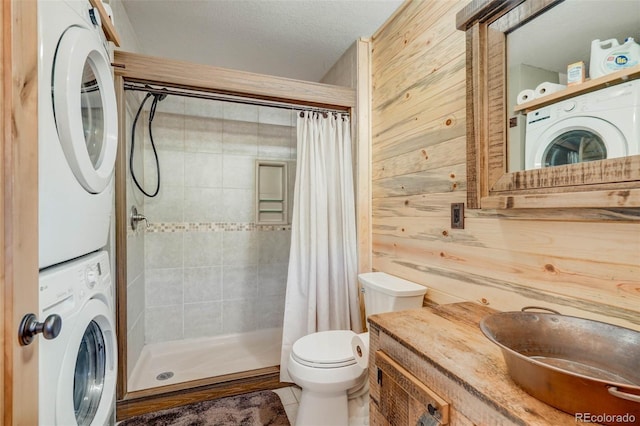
(526, 308)
(428, 419)
(613, 390)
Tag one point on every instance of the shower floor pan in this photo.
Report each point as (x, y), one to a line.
(180, 361)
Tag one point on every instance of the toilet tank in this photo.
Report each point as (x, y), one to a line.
(387, 293)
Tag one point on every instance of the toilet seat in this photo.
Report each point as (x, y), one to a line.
(325, 349)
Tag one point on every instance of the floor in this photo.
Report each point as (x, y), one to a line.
(290, 398)
(358, 407)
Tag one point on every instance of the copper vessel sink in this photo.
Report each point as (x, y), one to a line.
(583, 367)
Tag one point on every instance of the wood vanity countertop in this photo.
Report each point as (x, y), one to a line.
(449, 338)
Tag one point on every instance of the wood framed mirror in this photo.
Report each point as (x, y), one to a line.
(492, 181)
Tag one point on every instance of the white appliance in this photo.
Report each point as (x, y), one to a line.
(77, 131)
(78, 367)
(594, 126)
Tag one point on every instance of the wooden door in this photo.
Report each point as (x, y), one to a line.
(19, 202)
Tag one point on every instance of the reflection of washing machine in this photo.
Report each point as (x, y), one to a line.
(78, 368)
(594, 126)
(77, 131)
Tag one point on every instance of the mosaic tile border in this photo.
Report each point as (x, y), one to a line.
(212, 227)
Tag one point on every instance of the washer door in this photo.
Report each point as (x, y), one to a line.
(87, 386)
(577, 140)
(85, 108)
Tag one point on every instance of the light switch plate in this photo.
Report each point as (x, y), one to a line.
(457, 215)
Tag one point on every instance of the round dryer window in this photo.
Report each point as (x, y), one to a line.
(577, 140)
(574, 146)
(92, 115)
(85, 107)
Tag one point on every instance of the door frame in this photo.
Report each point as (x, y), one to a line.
(19, 202)
(133, 67)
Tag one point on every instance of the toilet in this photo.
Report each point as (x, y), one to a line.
(323, 363)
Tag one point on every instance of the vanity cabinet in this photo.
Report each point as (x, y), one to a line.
(404, 399)
(439, 356)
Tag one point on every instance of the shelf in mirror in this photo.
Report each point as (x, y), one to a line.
(612, 79)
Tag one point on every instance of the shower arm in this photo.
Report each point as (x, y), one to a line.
(135, 217)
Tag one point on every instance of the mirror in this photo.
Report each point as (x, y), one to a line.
(573, 146)
(539, 52)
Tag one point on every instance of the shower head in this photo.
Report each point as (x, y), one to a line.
(158, 94)
(161, 96)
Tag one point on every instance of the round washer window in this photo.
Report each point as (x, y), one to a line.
(574, 146)
(92, 114)
(88, 381)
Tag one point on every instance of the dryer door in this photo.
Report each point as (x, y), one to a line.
(577, 140)
(87, 386)
(85, 109)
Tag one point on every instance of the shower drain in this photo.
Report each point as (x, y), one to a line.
(164, 376)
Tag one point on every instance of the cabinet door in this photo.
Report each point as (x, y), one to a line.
(404, 400)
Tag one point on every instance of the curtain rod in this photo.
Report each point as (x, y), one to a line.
(229, 98)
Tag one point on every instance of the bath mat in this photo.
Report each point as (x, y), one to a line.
(250, 409)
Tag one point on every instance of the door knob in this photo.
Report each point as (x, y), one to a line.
(30, 327)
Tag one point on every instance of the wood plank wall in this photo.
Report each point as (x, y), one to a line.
(19, 202)
(580, 262)
(353, 70)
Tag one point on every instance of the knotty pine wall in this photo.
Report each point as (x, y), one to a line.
(580, 262)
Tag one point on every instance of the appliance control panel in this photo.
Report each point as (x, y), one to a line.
(62, 287)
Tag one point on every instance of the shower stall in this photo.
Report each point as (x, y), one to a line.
(202, 265)
(206, 292)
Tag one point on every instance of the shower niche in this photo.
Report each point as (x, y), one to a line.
(271, 192)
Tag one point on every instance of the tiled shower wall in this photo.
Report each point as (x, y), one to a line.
(209, 269)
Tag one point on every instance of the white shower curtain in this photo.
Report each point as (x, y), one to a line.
(322, 290)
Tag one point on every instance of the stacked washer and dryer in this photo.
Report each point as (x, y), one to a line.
(77, 127)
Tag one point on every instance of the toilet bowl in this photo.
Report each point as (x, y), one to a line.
(323, 364)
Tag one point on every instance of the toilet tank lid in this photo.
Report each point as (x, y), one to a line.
(391, 285)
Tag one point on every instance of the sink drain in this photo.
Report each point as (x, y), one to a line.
(164, 376)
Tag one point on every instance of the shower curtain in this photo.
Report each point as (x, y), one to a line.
(322, 290)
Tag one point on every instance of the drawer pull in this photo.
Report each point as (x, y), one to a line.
(428, 420)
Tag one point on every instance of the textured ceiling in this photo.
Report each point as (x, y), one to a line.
(298, 39)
